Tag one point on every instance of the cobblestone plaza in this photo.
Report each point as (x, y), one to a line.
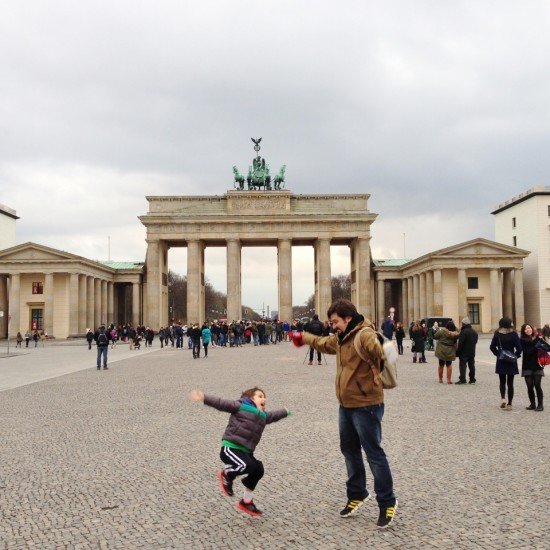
(122, 459)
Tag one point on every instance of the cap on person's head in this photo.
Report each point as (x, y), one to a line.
(466, 321)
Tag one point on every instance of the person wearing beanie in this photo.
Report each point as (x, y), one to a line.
(466, 352)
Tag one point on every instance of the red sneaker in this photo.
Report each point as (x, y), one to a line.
(226, 485)
(248, 508)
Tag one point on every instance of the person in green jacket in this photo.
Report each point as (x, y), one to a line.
(445, 350)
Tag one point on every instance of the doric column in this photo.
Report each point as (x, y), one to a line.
(136, 306)
(462, 300)
(518, 298)
(82, 303)
(416, 297)
(195, 281)
(429, 293)
(438, 294)
(4, 306)
(15, 304)
(90, 303)
(507, 294)
(380, 301)
(323, 289)
(97, 303)
(494, 278)
(404, 316)
(422, 295)
(284, 262)
(73, 304)
(104, 318)
(410, 304)
(48, 304)
(154, 283)
(234, 297)
(111, 302)
(361, 276)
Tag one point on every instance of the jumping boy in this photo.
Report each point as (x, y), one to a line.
(244, 430)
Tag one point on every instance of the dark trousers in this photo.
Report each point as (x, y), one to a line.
(469, 362)
(196, 348)
(506, 380)
(205, 346)
(238, 463)
(534, 384)
(399, 345)
(311, 355)
(362, 428)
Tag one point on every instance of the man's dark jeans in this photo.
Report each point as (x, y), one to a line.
(361, 427)
(471, 363)
(102, 351)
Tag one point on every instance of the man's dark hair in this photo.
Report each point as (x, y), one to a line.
(343, 308)
(316, 317)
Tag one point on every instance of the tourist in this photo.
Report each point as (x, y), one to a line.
(388, 328)
(161, 337)
(196, 339)
(316, 328)
(243, 433)
(506, 347)
(102, 343)
(530, 368)
(399, 336)
(445, 350)
(18, 340)
(113, 336)
(361, 400)
(27, 338)
(417, 336)
(35, 338)
(546, 332)
(466, 352)
(286, 330)
(206, 336)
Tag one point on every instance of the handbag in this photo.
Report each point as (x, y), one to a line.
(506, 355)
(543, 357)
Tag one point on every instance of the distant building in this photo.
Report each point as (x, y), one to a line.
(524, 222)
(7, 226)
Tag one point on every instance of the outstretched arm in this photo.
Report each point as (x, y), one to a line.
(324, 344)
(275, 416)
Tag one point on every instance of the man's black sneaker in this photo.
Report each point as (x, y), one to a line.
(248, 508)
(472, 382)
(352, 506)
(461, 382)
(386, 516)
(226, 484)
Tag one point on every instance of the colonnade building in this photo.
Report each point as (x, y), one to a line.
(64, 294)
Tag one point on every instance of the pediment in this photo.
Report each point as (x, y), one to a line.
(34, 253)
(481, 247)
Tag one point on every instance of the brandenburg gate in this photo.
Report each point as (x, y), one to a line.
(255, 218)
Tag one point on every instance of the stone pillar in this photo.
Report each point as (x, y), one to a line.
(284, 261)
(405, 299)
(323, 289)
(48, 304)
(438, 294)
(416, 297)
(410, 305)
(104, 319)
(507, 294)
(195, 281)
(361, 276)
(14, 305)
(74, 304)
(154, 301)
(422, 295)
(136, 306)
(462, 299)
(494, 278)
(380, 302)
(82, 303)
(111, 302)
(90, 303)
(4, 306)
(518, 298)
(234, 297)
(429, 294)
(97, 303)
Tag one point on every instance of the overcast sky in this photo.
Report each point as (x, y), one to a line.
(438, 109)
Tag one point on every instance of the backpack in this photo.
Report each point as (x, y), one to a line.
(102, 340)
(388, 373)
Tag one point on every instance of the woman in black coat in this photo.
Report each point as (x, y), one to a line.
(507, 339)
(530, 368)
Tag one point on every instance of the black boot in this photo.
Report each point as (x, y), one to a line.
(540, 407)
(531, 407)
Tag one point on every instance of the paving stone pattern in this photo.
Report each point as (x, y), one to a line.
(122, 459)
